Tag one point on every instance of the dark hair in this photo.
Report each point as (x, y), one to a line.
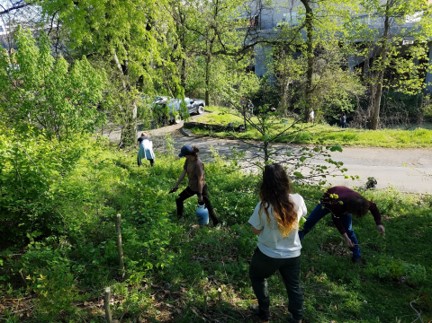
(358, 206)
(195, 150)
(274, 191)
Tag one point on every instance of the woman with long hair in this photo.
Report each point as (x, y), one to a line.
(276, 222)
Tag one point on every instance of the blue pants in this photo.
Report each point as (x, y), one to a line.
(318, 213)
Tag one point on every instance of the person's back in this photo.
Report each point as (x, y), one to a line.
(342, 203)
(276, 220)
(145, 149)
(195, 172)
(271, 241)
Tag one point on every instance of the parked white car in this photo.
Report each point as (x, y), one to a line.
(193, 106)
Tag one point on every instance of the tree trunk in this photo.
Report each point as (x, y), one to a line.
(376, 102)
(129, 128)
(310, 59)
(183, 73)
(207, 79)
(375, 105)
(182, 22)
(266, 151)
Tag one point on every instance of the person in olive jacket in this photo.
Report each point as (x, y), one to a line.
(343, 202)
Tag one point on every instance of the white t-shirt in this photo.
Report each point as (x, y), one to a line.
(270, 241)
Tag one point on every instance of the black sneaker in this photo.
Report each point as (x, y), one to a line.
(358, 261)
(264, 316)
(293, 320)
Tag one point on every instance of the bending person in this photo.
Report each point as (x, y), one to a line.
(145, 150)
(342, 202)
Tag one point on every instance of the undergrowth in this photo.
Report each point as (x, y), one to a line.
(177, 271)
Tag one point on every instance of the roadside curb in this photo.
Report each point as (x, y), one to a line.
(184, 132)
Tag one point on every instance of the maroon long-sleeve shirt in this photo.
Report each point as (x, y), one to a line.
(337, 199)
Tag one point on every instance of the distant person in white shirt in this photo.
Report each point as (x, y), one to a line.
(312, 116)
(145, 149)
(276, 222)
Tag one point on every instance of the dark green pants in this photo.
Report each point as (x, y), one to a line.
(262, 267)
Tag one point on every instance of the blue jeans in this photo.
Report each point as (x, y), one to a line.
(318, 213)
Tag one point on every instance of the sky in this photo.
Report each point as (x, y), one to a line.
(28, 14)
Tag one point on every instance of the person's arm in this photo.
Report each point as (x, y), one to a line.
(200, 176)
(339, 224)
(377, 217)
(255, 220)
(180, 179)
(255, 230)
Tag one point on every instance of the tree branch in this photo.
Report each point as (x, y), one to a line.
(16, 6)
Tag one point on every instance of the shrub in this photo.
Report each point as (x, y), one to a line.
(29, 167)
(399, 270)
(48, 273)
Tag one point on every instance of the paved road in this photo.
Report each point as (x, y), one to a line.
(406, 170)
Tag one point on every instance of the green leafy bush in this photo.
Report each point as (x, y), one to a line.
(30, 167)
(44, 92)
(399, 270)
(49, 274)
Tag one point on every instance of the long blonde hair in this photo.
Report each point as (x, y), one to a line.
(274, 191)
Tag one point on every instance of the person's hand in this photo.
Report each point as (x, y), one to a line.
(200, 199)
(348, 241)
(381, 229)
(175, 188)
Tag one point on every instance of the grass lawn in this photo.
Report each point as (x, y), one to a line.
(419, 137)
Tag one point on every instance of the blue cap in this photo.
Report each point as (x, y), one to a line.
(186, 150)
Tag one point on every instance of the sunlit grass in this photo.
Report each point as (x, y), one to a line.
(177, 271)
(320, 133)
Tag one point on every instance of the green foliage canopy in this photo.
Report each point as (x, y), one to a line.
(46, 93)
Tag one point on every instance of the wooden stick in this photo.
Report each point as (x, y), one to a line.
(120, 246)
(107, 298)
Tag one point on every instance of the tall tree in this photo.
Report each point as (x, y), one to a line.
(314, 57)
(309, 24)
(130, 34)
(213, 30)
(397, 36)
(46, 93)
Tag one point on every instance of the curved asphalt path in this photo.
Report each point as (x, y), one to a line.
(405, 170)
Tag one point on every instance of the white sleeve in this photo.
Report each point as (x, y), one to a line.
(300, 204)
(255, 219)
